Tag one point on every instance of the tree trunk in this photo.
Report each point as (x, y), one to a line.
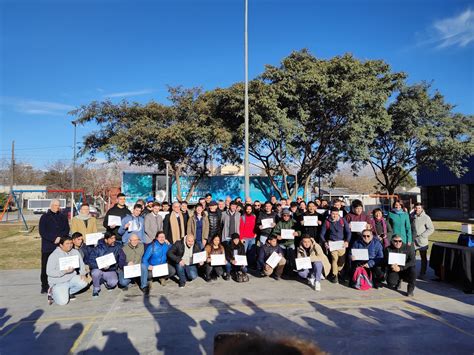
(306, 187)
(193, 186)
(177, 175)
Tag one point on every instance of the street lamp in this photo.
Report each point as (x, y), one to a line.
(73, 169)
(167, 162)
(246, 157)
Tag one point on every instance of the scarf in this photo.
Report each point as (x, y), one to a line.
(83, 217)
(177, 230)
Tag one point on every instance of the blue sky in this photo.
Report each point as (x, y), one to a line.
(56, 55)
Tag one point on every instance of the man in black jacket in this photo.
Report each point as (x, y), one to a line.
(52, 226)
(214, 217)
(120, 210)
(181, 255)
(396, 273)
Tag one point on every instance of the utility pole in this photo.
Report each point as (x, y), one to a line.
(12, 168)
(246, 158)
(74, 171)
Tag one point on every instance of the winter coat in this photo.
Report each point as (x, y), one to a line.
(176, 252)
(115, 211)
(52, 225)
(153, 224)
(225, 221)
(400, 223)
(375, 250)
(103, 249)
(247, 226)
(315, 254)
(290, 224)
(265, 251)
(406, 249)
(263, 215)
(422, 227)
(156, 254)
(55, 275)
(214, 223)
(336, 230)
(192, 225)
(79, 225)
(312, 231)
(230, 248)
(130, 253)
(126, 233)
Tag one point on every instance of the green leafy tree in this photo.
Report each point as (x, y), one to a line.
(423, 132)
(308, 114)
(149, 135)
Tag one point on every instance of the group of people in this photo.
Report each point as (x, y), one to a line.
(225, 238)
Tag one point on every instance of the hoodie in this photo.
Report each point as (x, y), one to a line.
(56, 276)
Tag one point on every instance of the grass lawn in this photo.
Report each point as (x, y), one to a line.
(23, 250)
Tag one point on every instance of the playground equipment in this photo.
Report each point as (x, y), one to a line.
(17, 197)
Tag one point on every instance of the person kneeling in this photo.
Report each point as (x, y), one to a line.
(397, 273)
(271, 246)
(64, 283)
(107, 274)
(373, 266)
(131, 254)
(215, 247)
(233, 248)
(181, 254)
(319, 261)
(155, 254)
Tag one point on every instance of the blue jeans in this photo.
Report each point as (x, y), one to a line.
(61, 292)
(187, 272)
(314, 273)
(123, 282)
(248, 243)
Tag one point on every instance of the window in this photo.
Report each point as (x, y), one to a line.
(448, 196)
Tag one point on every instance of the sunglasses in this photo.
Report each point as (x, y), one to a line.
(396, 241)
(366, 236)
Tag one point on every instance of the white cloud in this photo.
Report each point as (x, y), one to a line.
(35, 107)
(129, 93)
(454, 31)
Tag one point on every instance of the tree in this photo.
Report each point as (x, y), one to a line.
(183, 133)
(423, 132)
(58, 176)
(308, 114)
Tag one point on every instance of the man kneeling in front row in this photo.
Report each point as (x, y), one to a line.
(395, 272)
(64, 283)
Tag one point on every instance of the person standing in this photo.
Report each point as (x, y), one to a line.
(381, 228)
(153, 223)
(119, 210)
(133, 224)
(198, 225)
(400, 222)
(84, 223)
(230, 222)
(214, 217)
(52, 226)
(247, 230)
(173, 224)
(422, 227)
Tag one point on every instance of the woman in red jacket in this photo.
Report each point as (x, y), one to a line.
(247, 231)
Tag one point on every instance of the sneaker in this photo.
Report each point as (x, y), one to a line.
(262, 274)
(72, 298)
(410, 293)
(322, 277)
(317, 286)
(50, 296)
(146, 291)
(44, 290)
(311, 281)
(276, 278)
(226, 276)
(333, 279)
(95, 294)
(181, 284)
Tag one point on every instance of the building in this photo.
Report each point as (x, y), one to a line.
(446, 196)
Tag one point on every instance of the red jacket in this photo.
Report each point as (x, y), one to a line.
(247, 226)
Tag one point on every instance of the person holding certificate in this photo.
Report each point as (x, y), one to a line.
(371, 258)
(308, 248)
(110, 249)
(337, 234)
(181, 255)
(358, 221)
(133, 224)
(285, 232)
(60, 268)
(381, 228)
(235, 250)
(216, 261)
(84, 223)
(271, 250)
(266, 221)
(131, 254)
(155, 254)
(397, 272)
(118, 212)
(311, 225)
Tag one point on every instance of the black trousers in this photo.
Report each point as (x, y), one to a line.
(408, 275)
(219, 270)
(44, 276)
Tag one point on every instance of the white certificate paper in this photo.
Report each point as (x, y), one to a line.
(93, 238)
(114, 221)
(336, 245)
(163, 214)
(160, 270)
(358, 227)
(310, 221)
(131, 271)
(341, 214)
(199, 257)
(321, 211)
(217, 259)
(105, 261)
(287, 234)
(273, 260)
(303, 263)
(69, 261)
(240, 260)
(397, 258)
(360, 254)
(267, 223)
